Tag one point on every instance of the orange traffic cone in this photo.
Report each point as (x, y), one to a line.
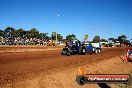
(81, 71)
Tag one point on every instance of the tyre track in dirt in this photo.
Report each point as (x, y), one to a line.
(17, 67)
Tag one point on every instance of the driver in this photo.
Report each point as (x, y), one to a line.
(67, 44)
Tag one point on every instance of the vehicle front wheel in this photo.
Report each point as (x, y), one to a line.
(68, 53)
(83, 51)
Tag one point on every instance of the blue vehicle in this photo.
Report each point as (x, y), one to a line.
(88, 48)
(77, 47)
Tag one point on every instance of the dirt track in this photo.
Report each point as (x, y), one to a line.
(20, 66)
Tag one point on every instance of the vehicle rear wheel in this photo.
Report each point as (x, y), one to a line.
(99, 50)
(96, 51)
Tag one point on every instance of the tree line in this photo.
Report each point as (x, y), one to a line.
(32, 33)
(122, 39)
(11, 32)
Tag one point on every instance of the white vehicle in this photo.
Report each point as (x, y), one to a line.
(96, 47)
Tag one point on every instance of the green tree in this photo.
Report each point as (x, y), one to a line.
(111, 39)
(53, 35)
(27, 34)
(43, 36)
(1, 33)
(59, 37)
(96, 39)
(103, 40)
(33, 33)
(71, 37)
(9, 31)
(14, 33)
(21, 33)
(122, 39)
(127, 42)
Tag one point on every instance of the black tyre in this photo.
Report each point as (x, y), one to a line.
(83, 51)
(96, 51)
(68, 53)
(90, 52)
(62, 52)
(80, 80)
(99, 50)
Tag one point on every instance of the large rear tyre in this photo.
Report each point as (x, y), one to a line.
(62, 52)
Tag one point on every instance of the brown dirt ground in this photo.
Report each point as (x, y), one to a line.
(49, 69)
